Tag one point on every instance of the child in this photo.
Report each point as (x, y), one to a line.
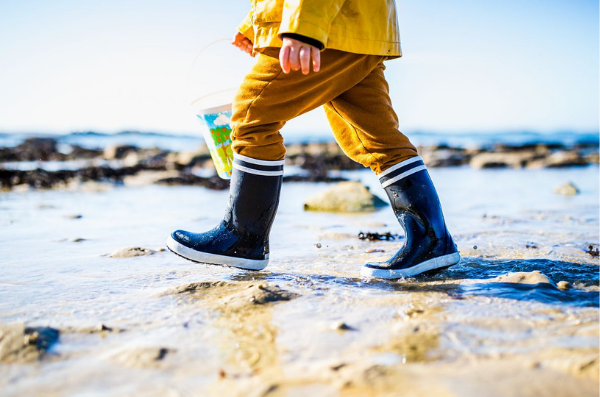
(346, 43)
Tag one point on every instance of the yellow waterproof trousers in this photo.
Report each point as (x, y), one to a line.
(351, 87)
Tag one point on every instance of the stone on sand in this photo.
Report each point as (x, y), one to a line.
(233, 296)
(564, 285)
(567, 189)
(142, 357)
(501, 160)
(534, 277)
(131, 252)
(21, 345)
(344, 197)
(113, 152)
(258, 294)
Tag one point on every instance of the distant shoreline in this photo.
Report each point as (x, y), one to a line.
(49, 162)
(179, 142)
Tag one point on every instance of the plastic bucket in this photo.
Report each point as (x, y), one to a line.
(214, 113)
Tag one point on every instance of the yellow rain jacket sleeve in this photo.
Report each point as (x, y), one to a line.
(359, 26)
(246, 28)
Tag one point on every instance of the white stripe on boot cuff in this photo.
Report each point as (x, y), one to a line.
(403, 175)
(399, 165)
(257, 172)
(256, 161)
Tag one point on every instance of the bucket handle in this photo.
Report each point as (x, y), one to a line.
(206, 46)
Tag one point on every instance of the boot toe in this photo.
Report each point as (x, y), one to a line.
(182, 237)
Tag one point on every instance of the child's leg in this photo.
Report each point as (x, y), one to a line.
(366, 127)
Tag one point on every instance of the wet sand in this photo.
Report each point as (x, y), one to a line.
(147, 322)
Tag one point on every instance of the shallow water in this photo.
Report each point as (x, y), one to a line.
(464, 321)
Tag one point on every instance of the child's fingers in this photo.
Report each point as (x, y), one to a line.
(294, 57)
(304, 55)
(284, 59)
(316, 58)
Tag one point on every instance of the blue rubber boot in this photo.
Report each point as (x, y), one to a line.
(241, 240)
(428, 244)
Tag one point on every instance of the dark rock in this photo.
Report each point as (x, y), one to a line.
(113, 152)
(185, 179)
(78, 153)
(442, 157)
(33, 149)
(377, 236)
(20, 344)
(314, 177)
(47, 179)
(320, 157)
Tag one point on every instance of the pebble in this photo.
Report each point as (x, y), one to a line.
(340, 326)
(131, 252)
(318, 245)
(564, 285)
(567, 189)
(76, 216)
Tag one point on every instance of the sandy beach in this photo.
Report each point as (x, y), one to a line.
(82, 313)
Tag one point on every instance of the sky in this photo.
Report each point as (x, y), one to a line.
(468, 65)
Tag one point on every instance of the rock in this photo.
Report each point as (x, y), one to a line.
(374, 250)
(101, 329)
(182, 160)
(131, 252)
(131, 159)
(344, 197)
(33, 149)
(47, 179)
(186, 179)
(198, 287)
(564, 285)
(340, 326)
(115, 152)
(534, 277)
(567, 189)
(592, 158)
(142, 357)
(565, 158)
(20, 344)
(74, 216)
(318, 158)
(258, 294)
(78, 152)
(314, 177)
(502, 160)
(444, 157)
(233, 296)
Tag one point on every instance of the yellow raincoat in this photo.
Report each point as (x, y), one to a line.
(358, 26)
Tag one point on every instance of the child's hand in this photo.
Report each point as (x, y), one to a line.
(296, 55)
(242, 42)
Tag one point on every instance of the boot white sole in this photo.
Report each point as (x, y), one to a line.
(431, 264)
(212, 259)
